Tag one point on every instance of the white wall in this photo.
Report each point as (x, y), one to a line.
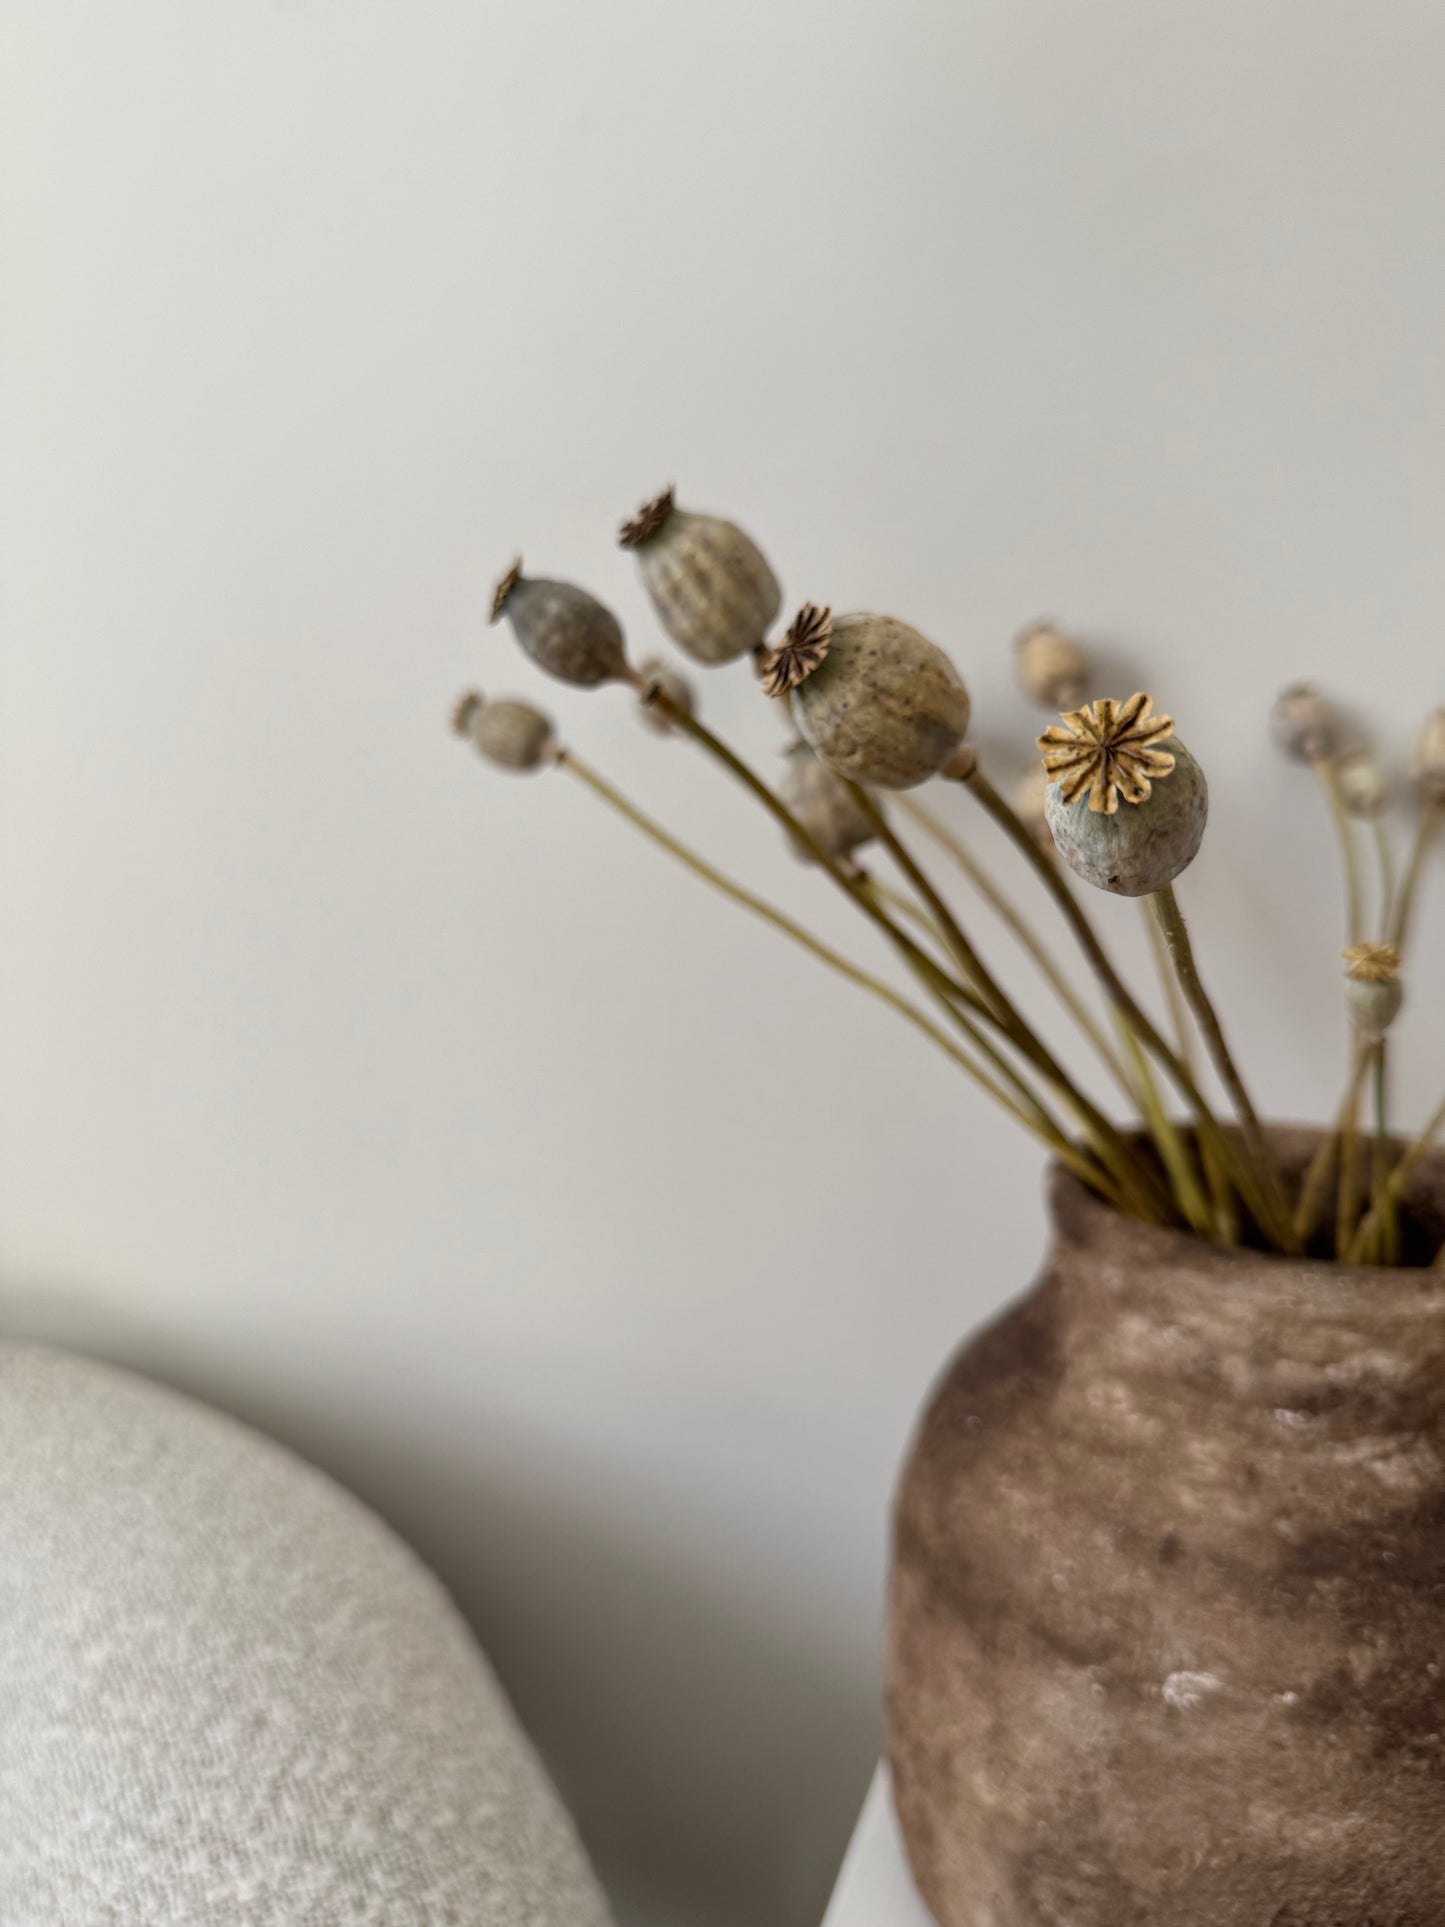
(425, 1117)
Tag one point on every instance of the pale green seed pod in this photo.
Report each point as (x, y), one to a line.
(880, 703)
(824, 804)
(660, 675)
(1143, 846)
(1427, 758)
(1304, 725)
(1372, 988)
(1362, 787)
(564, 629)
(512, 735)
(709, 582)
(1052, 669)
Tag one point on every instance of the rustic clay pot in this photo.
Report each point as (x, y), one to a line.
(1167, 1640)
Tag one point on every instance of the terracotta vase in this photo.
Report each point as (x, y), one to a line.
(1167, 1616)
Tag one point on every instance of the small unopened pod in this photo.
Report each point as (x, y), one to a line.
(1372, 988)
(1362, 787)
(658, 676)
(1304, 725)
(708, 581)
(1126, 802)
(880, 703)
(512, 735)
(824, 804)
(564, 629)
(1052, 669)
(1427, 758)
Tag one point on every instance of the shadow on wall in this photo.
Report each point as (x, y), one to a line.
(713, 1764)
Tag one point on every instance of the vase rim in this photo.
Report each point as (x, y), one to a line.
(1083, 1219)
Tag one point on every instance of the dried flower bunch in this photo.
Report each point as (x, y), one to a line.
(875, 710)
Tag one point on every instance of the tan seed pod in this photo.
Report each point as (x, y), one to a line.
(708, 581)
(564, 629)
(1304, 725)
(883, 706)
(1051, 667)
(1427, 758)
(824, 805)
(512, 735)
(1362, 787)
(660, 675)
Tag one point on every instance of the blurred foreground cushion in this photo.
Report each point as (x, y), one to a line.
(229, 1695)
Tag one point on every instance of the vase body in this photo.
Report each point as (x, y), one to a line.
(1167, 1613)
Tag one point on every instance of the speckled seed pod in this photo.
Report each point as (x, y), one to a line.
(1427, 758)
(1362, 787)
(709, 582)
(880, 703)
(1303, 724)
(657, 674)
(1372, 987)
(824, 805)
(1128, 803)
(565, 631)
(510, 734)
(1051, 667)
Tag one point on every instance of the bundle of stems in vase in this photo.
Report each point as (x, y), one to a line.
(875, 712)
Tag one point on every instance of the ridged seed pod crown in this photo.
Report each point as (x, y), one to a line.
(512, 735)
(1127, 815)
(824, 804)
(879, 703)
(564, 629)
(708, 581)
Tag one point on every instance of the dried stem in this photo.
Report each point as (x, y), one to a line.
(1327, 771)
(1430, 821)
(1272, 1216)
(1169, 984)
(1011, 918)
(1181, 950)
(1317, 1178)
(1036, 1121)
(1397, 1182)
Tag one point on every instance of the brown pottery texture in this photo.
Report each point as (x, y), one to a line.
(1167, 1618)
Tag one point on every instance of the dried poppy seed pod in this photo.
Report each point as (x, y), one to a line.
(1051, 667)
(1304, 725)
(880, 704)
(824, 805)
(1108, 754)
(657, 675)
(510, 734)
(1362, 787)
(565, 631)
(709, 582)
(1372, 988)
(1427, 758)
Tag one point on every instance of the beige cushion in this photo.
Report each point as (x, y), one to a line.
(230, 1697)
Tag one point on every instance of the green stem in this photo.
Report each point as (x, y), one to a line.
(1347, 1197)
(1181, 950)
(1389, 1242)
(1317, 1178)
(1169, 983)
(1169, 1141)
(1385, 860)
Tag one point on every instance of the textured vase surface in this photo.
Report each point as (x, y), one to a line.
(1167, 1615)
